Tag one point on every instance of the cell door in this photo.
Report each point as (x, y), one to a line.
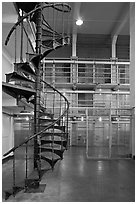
(98, 140)
(78, 136)
(108, 136)
(120, 146)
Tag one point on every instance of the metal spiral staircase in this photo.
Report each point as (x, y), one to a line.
(49, 124)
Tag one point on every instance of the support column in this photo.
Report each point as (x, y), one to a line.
(114, 40)
(37, 84)
(132, 74)
(114, 75)
(74, 42)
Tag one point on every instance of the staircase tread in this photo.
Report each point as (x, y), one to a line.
(5, 84)
(26, 67)
(19, 77)
(46, 114)
(50, 149)
(49, 158)
(56, 134)
(56, 142)
(47, 119)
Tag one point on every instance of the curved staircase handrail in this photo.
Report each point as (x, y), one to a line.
(53, 123)
(33, 11)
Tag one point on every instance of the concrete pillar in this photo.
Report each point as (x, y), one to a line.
(132, 73)
(74, 42)
(114, 40)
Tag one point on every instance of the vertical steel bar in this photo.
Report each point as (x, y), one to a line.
(60, 106)
(21, 47)
(14, 173)
(15, 45)
(67, 126)
(110, 133)
(54, 74)
(53, 103)
(53, 149)
(26, 175)
(118, 81)
(87, 131)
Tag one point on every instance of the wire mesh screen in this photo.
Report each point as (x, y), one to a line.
(108, 136)
(120, 146)
(98, 137)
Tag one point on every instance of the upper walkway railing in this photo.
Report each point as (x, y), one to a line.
(59, 71)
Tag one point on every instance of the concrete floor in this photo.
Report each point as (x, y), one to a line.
(77, 179)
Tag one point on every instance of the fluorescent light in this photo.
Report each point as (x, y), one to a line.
(79, 22)
(27, 118)
(100, 119)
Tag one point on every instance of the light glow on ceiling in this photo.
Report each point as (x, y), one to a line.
(79, 22)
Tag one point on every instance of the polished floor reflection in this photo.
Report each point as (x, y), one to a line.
(78, 179)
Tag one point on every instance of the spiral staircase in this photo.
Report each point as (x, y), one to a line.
(49, 124)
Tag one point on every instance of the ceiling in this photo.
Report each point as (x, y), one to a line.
(109, 18)
(103, 17)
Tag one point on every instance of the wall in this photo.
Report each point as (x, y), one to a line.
(7, 66)
(123, 47)
(7, 119)
(7, 133)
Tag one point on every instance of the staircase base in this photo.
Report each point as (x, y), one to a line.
(40, 189)
(13, 191)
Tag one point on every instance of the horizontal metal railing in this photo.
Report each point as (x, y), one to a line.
(98, 72)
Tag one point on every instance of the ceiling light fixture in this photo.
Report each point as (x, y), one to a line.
(79, 22)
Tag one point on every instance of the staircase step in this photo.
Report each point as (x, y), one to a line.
(58, 134)
(13, 191)
(48, 43)
(55, 151)
(35, 60)
(15, 90)
(31, 183)
(62, 41)
(62, 128)
(52, 161)
(52, 43)
(46, 52)
(42, 108)
(49, 33)
(67, 40)
(59, 142)
(50, 115)
(14, 76)
(45, 120)
(26, 67)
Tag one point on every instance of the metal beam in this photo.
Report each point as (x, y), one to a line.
(56, 61)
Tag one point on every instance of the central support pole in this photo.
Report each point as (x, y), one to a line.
(37, 84)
